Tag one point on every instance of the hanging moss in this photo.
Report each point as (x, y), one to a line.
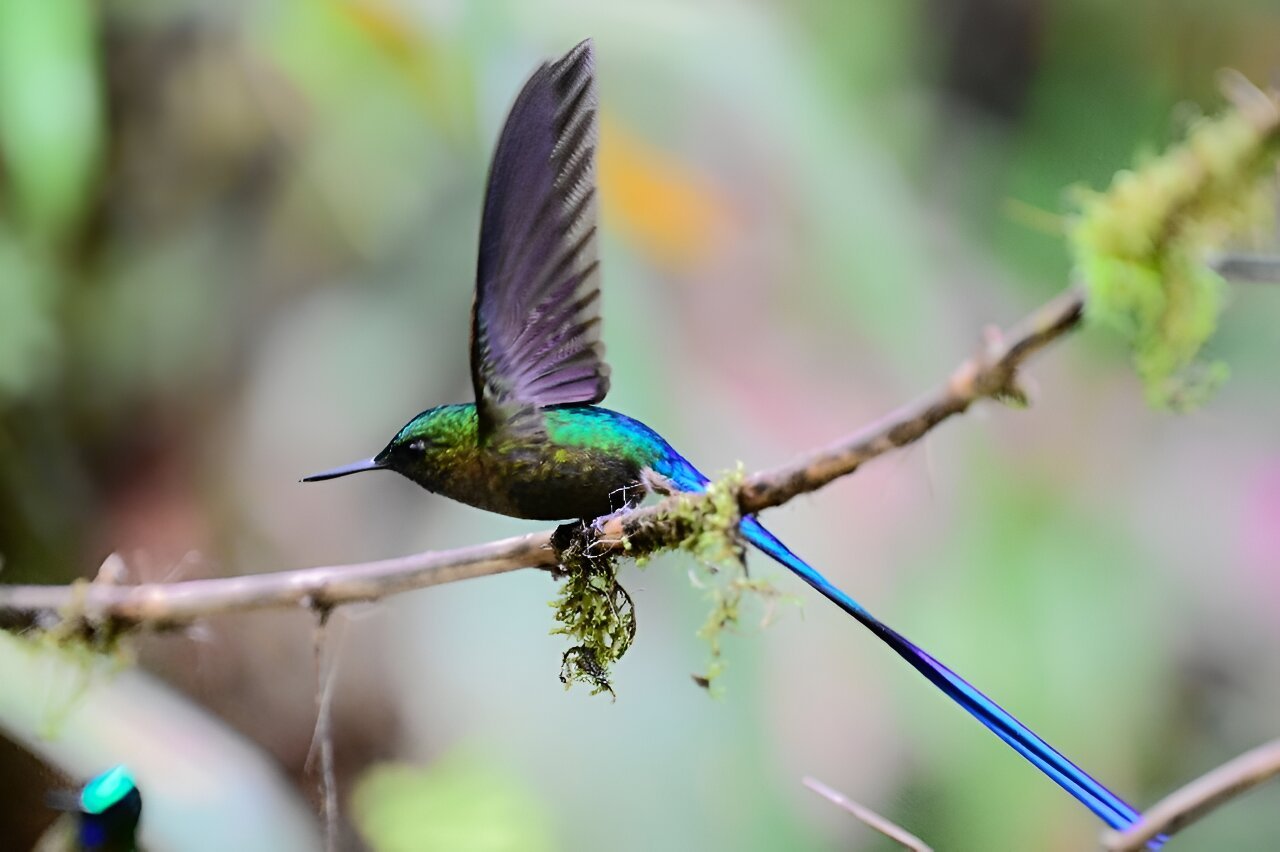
(595, 612)
(722, 573)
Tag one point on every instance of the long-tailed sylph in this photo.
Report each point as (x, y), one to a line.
(534, 443)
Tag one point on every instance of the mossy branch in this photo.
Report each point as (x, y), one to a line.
(87, 609)
(1140, 247)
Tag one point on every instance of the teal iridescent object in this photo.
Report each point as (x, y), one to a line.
(106, 790)
(106, 813)
(534, 444)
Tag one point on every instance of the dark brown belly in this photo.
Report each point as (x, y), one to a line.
(545, 485)
(569, 491)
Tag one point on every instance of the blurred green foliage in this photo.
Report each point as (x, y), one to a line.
(461, 803)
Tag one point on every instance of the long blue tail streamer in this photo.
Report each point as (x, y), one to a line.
(1113, 810)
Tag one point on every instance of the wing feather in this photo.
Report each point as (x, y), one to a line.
(536, 318)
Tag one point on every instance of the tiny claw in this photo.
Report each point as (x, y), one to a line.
(601, 524)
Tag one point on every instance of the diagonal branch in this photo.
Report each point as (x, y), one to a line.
(1193, 801)
(989, 373)
(865, 815)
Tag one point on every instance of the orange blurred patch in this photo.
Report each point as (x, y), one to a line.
(665, 209)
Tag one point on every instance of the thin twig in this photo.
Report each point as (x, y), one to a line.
(322, 736)
(891, 830)
(1195, 800)
(989, 373)
(1246, 267)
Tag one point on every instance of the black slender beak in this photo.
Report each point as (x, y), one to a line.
(354, 467)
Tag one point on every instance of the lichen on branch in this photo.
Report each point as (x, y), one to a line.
(1140, 246)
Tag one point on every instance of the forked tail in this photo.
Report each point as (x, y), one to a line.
(1111, 808)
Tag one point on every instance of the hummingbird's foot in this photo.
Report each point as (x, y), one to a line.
(604, 532)
(574, 536)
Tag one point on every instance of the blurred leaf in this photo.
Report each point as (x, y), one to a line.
(458, 804)
(50, 114)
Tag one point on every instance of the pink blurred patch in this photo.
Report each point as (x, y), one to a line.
(1260, 539)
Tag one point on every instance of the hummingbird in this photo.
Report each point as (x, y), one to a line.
(103, 815)
(535, 444)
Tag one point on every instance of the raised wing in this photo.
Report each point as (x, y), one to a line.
(536, 321)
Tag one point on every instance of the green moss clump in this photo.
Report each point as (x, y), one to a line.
(1139, 248)
(596, 613)
(462, 802)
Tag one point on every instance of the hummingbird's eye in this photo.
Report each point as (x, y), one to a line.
(418, 446)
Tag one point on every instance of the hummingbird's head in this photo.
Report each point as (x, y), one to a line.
(422, 449)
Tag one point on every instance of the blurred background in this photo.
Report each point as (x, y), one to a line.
(237, 246)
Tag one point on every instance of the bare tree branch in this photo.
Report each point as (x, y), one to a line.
(174, 604)
(1203, 795)
(891, 830)
(989, 373)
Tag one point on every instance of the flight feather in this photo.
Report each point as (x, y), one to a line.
(536, 318)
